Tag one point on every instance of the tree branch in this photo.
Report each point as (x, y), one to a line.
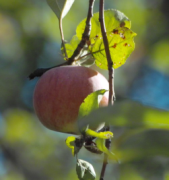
(85, 39)
(106, 44)
(40, 71)
(111, 79)
(86, 34)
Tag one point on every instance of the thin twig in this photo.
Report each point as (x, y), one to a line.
(85, 36)
(111, 78)
(40, 71)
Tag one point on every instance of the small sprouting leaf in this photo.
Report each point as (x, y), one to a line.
(85, 170)
(103, 135)
(70, 143)
(113, 19)
(60, 7)
(121, 45)
(101, 146)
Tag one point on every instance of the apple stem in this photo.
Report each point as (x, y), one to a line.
(111, 79)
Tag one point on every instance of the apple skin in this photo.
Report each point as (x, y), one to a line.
(60, 92)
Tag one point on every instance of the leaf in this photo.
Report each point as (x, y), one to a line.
(119, 35)
(121, 45)
(101, 146)
(113, 19)
(120, 38)
(70, 47)
(83, 59)
(60, 7)
(103, 135)
(69, 141)
(91, 102)
(85, 170)
(75, 144)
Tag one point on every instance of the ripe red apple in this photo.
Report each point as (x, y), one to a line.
(60, 92)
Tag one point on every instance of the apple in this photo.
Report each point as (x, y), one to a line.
(60, 92)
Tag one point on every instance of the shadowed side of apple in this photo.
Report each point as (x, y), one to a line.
(60, 92)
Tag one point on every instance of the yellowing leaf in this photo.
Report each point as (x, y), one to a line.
(69, 141)
(121, 45)
(120, 38)
(101, 146)
(103, 135)
(113, 19)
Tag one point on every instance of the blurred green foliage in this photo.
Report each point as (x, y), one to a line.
(30, 38)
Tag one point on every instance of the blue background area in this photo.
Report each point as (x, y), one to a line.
(151, 87)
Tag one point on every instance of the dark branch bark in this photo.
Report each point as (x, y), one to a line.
(111, 79)
(106, 45)
(86, 34)
(40, 71)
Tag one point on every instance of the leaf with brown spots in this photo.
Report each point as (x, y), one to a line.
(121, 44)
(113, 20)
(119, 35)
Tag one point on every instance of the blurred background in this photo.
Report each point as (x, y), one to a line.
(30, 38)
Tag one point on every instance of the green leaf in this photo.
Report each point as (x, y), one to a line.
(70, 47)
(102, 135)
(70, 143)
(113, 19)
(60, 7)
(121, 45)
(85, 170)
(75, 144)
(91, 102)
(101, 146)
(82, 58)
